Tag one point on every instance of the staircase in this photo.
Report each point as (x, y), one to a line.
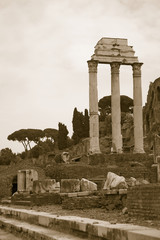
(32, 225)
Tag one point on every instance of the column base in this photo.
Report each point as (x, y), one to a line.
(94, 146)
(137, 150)
(94, 151)
(117, 145)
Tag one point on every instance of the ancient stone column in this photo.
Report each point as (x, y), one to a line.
(115, 106)
(93, 107)
(137, 110)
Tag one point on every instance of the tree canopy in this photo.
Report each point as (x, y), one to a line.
(51, 134)
(6, 156)
(126, 104)
(26, 136)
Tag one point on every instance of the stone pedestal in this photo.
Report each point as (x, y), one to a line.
(116, 111)
(93, 108)
(137, 110)
(25, 180)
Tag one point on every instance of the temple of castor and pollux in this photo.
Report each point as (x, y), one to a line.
(116, 52)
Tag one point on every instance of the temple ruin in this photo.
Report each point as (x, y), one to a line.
(116, 52)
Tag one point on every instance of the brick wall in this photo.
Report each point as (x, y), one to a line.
(144, 201)
(108, 202)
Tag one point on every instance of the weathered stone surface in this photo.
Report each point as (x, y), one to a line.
(141, 182)
(151, 116)
(115, 181)
(144, 201)
(125, 210)
(87, 185)
(47, 185)
(72, 194)
(110, 191)
(70, 185)
(109, 50)
(65, 157)
(83, 194)
(122, 191)
(131, 182)
(67, 225)
(25, 180)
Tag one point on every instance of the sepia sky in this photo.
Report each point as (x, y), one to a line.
(44, 48)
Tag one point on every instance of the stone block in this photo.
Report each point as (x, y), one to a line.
(158, 159)
(72, 194)
(87, 185)
(86, 193)
(47, 185)
(63, 194)
(122, 191)
(131, 182)
(65, 157)
(110, 191)
(70, 185)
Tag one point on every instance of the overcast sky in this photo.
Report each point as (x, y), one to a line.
(44, 48)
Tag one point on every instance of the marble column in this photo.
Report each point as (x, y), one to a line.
(115, 107)
(137, 110)
(93, 108)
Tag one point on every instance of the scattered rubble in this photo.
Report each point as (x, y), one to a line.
(114, 181)
(87, 185)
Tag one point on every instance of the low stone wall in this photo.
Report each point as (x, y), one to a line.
(144, 201)
(79, 200)
(101, 200)
(36, 199)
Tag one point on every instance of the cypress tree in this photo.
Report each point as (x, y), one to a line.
(62, 136)
(86, 123)
(80, 125)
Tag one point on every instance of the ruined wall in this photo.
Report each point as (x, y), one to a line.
(10, 172)
(151, 113)
(144, 201)
(127, 165)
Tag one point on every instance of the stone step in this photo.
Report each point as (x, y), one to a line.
(22, 202)
(8, 236)
(34, 232)
(6, 201)
(77, 226)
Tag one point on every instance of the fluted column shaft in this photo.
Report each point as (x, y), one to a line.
(115, 107)
(93, 107)
(137, 110)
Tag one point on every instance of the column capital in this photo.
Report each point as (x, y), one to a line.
(92, 66)
(137, 68)
(115, 67)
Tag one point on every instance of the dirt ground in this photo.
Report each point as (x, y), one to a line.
(114, 216)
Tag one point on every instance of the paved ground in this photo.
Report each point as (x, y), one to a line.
(8, 236)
